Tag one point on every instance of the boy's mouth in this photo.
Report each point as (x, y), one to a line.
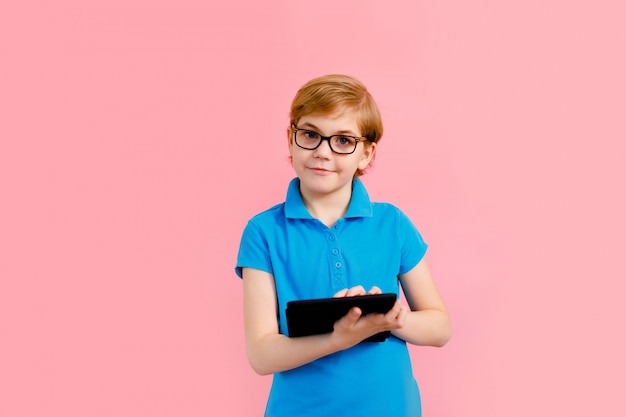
(319, 170)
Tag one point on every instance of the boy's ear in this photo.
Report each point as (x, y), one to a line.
(289, 138)
(368, 155)
(290, 143)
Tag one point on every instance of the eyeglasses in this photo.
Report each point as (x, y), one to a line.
(341, 144)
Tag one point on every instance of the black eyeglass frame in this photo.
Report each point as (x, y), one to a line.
(328, 138)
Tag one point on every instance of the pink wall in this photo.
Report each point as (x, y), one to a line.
(129, 166)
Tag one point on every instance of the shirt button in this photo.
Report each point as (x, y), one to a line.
(331, 237)
(337, 264)
(335, 251)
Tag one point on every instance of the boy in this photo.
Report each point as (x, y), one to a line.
(328, 239)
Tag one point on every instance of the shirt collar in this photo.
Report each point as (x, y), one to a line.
(360, 205)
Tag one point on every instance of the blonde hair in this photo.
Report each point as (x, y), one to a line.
(336, 93)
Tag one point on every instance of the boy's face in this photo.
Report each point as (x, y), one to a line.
(323, 172)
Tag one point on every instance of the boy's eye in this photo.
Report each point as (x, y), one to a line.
(309, 134)
(344, 140)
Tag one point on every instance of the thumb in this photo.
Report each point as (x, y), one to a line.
(353, 315)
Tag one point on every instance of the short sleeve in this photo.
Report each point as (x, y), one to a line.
(253, 250)
(412, 243)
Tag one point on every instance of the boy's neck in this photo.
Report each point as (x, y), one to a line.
(328, 208)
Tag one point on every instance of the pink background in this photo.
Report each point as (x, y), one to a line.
(138, 137)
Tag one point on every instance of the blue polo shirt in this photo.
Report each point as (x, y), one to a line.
(370, 245)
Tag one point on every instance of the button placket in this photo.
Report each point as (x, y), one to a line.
(339, 277)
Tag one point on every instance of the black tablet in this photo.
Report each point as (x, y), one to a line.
(317, 316)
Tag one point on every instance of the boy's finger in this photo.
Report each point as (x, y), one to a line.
(375, 290)
(341, 293)
(351, 317)
(358, 290)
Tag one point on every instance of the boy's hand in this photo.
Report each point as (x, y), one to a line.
(353, 328)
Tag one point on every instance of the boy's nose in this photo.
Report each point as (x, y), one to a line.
(324, 148)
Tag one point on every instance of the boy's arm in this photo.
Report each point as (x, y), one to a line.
(428, 323)
(269, 351)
